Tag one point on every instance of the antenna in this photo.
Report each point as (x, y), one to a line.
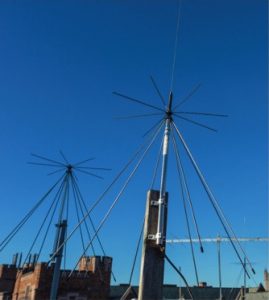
(159, 236)
(67, 186)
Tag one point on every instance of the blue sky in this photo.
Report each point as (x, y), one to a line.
(60, 61)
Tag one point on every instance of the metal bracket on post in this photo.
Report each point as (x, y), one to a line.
(152, 262)
(154, 203)
(158, 236)
(152, 237)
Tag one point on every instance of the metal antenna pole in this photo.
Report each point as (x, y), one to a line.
(153, 250)
(58, 259)
(160, 236)
(59, 239)
(219, 264)
(245, 279)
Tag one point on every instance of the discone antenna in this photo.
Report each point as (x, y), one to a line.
(65, 166)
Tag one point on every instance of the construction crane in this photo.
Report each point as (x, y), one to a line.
(218, 240)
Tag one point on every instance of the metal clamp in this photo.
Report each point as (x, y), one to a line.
(152, 237)
(158, 202)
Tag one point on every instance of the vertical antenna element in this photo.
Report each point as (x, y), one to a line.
(175, 47)
(169, 108)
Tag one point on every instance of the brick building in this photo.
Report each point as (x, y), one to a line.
(33, 282)
(8, 275)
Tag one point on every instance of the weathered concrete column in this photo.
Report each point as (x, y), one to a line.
(152, 262)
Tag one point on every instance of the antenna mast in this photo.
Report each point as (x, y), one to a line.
(160, 236)
(152, 263)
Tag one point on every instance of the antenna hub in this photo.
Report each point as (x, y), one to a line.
(69, 168)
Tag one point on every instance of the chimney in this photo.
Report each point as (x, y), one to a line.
(202, 284)
(15, 259)
(19, 260)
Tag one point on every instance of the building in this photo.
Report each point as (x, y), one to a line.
(201, 292)
(173, 292)
(33, 282)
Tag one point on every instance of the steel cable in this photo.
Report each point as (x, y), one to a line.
(120, 193)
(188, 194)
(105, 192)
(213, 201)
(9, 237)
(179, 170)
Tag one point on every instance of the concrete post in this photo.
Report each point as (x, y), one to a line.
(152, 262)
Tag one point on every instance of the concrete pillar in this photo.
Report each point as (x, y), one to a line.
(152, 262)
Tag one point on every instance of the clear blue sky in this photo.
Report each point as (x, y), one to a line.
(60, 61)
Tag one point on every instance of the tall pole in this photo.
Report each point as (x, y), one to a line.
(219, 265)
(153, 252)
(180, 285)
(161, 235)
(245, 279)
(59, 238)
(58, 259)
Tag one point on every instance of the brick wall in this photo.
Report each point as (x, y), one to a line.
(7, 278)
(91, 281)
